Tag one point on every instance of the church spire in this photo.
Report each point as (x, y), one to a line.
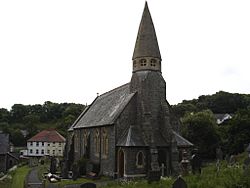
(146, 53)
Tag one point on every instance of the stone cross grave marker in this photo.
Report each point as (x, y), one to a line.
(179, 183)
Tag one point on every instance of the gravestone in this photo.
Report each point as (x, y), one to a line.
(185, 163)
(232, 160)
(88, 185)
(53, 165)
(196, 164)
(217, 167)
(227, 158)
(246, 166)
(75, 171)
(179, 183)
(64, 169)
(219, 154)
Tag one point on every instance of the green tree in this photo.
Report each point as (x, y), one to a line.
(239, 131)
(4, 115)
(201, 129)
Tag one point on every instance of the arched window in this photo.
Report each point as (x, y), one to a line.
(85, 138)
(97, 141)
(105, 142)
(140, 159)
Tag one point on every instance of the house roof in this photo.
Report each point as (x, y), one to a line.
(105, 109)
(146, 43)
(47, 136)
(181, 142)
(4, 143)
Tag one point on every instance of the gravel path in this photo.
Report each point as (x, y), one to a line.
(33, 180)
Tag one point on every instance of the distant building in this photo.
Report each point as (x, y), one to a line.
(220, 118)
(47, 142)
(7, 159)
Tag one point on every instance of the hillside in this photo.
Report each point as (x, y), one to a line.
(24, 121)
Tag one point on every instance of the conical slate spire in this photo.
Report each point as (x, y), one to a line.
(146, 43)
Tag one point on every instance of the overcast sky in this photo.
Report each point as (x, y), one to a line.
(67, 51)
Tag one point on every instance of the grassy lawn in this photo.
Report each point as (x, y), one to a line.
(69, 182)
(15, 178)
(227, 177)
(19, 176)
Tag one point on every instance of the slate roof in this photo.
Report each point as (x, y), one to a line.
(105, 108)
(47, 136)
(4, 143)
(181, 142)
(132, 137)
(146, 43)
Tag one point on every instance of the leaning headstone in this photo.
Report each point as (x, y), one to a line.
(179, 183)
(88, 185)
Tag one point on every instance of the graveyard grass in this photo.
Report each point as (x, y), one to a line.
(15, 178)
(227, 177)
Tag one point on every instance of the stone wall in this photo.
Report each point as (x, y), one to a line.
(131, 168)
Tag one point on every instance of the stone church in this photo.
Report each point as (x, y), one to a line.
(130, 131)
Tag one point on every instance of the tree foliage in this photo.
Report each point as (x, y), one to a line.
(220, 102)
(201, 129)
(34, 118)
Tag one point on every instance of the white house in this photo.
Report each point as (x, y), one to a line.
(47, 142)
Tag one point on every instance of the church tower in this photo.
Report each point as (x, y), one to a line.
(148, 83)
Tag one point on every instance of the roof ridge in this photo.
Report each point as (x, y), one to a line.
(112, 90)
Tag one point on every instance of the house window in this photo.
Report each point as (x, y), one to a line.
(31, 143)
(37, 151)
(31, 151)
(97, 141)
(37, 143)
(48, 144)
(53, 152)
(42, 143)
(42, 152)
(140, 159)
(59, 151)
(48, 151)
(105, 142)
(60, 144)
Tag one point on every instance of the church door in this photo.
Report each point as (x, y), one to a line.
(121, 163)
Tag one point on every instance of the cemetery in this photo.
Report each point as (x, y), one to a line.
(131, 137)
